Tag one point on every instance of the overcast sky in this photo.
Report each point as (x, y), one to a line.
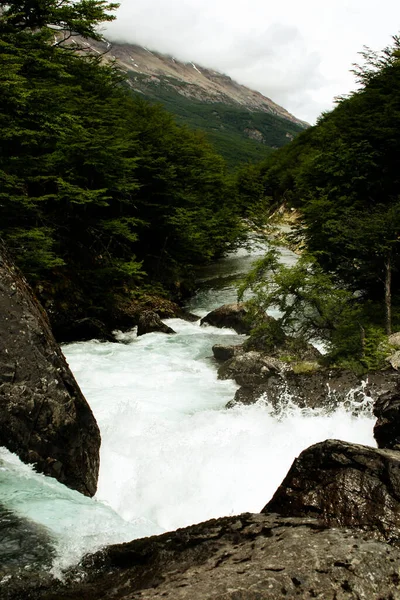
(297, 52)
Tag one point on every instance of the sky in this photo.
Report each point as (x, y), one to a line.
(298, 53)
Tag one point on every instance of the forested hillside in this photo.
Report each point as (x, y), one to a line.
(240, 135)
(343, 176)
(103, 196)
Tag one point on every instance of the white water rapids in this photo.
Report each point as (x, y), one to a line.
(171, 454)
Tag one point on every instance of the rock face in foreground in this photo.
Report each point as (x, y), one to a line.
(344, 485)
(249, 557)
(44, 417)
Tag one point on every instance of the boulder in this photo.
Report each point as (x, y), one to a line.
(248, 557)
(85, 329)
(323, 388)
(394, 340)
(387, 426)
(250, 368)
(150, 322)
(44, 417)
(394, 360)
(344, 485)
(232, 316)
(223, 353)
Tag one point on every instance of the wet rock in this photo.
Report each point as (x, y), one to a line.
(320, 389)
(223, 353)
(250, 368)
(232, 316)
(150, 322)
(344, 485)
(44, 417)
(387, 427)
(87, 329)
(248, 557)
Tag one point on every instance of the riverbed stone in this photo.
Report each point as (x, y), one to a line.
(150, 322)
(344, 485)
(223, 353)
(250, 368)
(44, 418)
(232, 316)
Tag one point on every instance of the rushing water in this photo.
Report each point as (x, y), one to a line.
(171, 453)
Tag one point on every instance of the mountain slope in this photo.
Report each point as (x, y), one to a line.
(243, 124)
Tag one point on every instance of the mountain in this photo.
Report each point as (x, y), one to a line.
(243, 124)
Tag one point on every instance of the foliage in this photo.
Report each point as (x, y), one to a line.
(343, 177)
(226, 126)
(312, 307)
(99, 190)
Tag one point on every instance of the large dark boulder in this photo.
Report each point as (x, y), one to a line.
(232, 316)
(344, 485)
(44, 417)
(150, 322)
(387, 426)
(318, 388)
(248, 557)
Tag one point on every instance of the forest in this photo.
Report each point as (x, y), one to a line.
(106, 199)
(342, 176)
(103, 197)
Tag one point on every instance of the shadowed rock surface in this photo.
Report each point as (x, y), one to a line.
(223, 353)
(387, 427)
(232, 316)
(44, 417)
(318, 389)
(149, 322)
(344, 485)
(249, 557)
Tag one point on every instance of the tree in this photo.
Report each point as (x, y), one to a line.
(70, 17)
(312, 308)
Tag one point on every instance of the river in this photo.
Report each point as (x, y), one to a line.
(171, 454)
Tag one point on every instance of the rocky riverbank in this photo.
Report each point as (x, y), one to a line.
(331, 530)
(290, 370)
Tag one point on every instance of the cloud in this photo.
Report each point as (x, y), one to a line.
(298, 54)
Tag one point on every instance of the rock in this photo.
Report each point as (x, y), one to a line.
(394, 340)
(223, 353)
(248, 557)
(344, 485)
(87, 329)
(150, 322)
(44, 417)
(250, 368)
(387, 427)
(232, 316)
(320, 389)
(394, 360)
